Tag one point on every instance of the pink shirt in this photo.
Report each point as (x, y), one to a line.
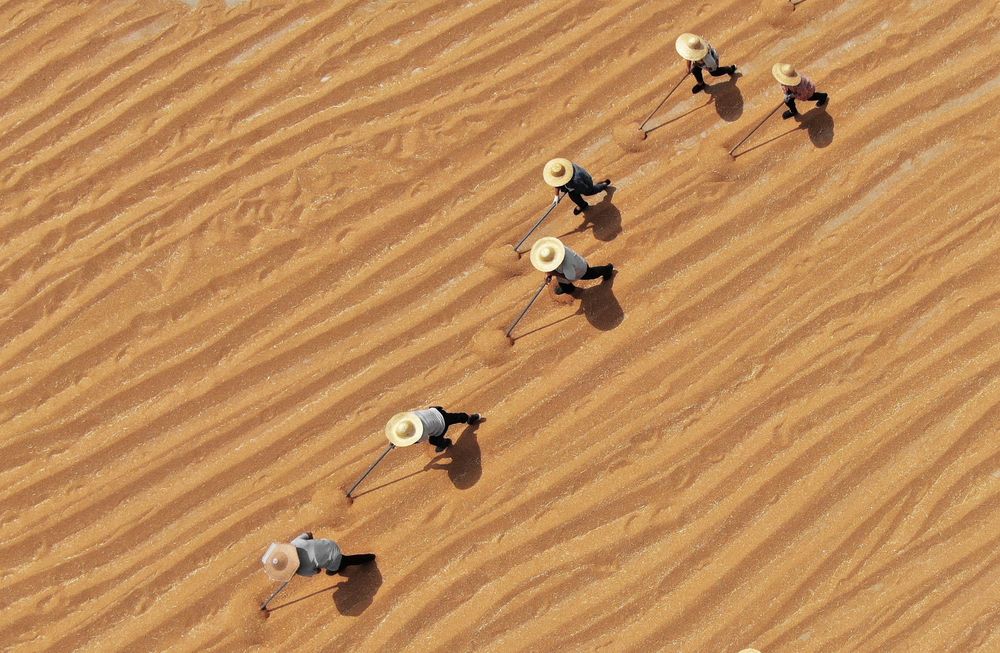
(803, 91)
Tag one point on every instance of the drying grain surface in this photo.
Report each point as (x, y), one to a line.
(236, 237)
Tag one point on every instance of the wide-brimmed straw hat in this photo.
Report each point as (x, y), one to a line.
(403, 429)
(785, 74)
(547, 254)
(557, 172)
(281, 561)
(691, 46)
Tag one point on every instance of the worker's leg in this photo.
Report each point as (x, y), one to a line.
(452, 418)
(790, 103)
(597, 188)
(723, 70)
(581, 204)
(821, 99)
(352, 560)
(564, 287)
(700, 86)
(594, 271)
(696, 71)
(439, 441)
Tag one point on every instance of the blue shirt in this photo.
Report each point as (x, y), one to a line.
(581, 180)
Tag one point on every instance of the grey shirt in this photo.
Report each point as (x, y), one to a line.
(315, 555)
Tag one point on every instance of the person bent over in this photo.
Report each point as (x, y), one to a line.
(551, 256)
(427, 425)
(796, 87)
(307, 556)
(567, 177)
(700, 55)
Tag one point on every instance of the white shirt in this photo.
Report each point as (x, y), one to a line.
(711, 60)
(433, 422)
(316, 554)
(572, 267)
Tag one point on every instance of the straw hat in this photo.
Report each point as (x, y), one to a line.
(785, 74)
(691, 46)
(547, 254)
(281, 561)
(557, 172)
(403, 429)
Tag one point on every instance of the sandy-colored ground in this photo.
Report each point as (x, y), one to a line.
(235, 240)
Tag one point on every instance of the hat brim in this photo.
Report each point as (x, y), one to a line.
(547, 266)
(785, 79)
(409, 416)
(289, 570)
(686, 51)
(561, 180)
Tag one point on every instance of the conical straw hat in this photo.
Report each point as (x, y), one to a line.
(403, 429)
(281, 561)
(557, 172)
(785, 74)
(691, 46)
(547, 254)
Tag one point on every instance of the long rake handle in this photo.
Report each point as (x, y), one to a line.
(540, 220)
(676, 86)
(369, 470)
(735, 147)
(263, 606)
(537, 293)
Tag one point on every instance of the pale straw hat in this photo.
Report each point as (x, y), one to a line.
(547, 254)
(404, 429)
(281, 561)
(691, 46)
(785, 74)
(557, 172)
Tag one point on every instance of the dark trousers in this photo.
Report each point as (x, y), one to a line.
(718, 72)
(576, 194)
(593, 271)
(449, 419)
(357, 559)
(815, 97)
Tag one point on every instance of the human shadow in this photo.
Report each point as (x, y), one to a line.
(550, 324)
(819, 123)
(603, 219)
(465, 465)
(301, 598)
(727, 98)
(388, 483)
(676, 118)
(357, 592)
(600, 306)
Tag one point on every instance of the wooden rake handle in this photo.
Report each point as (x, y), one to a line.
(744, 140)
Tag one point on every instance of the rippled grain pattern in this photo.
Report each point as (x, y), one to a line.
(235, 239)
